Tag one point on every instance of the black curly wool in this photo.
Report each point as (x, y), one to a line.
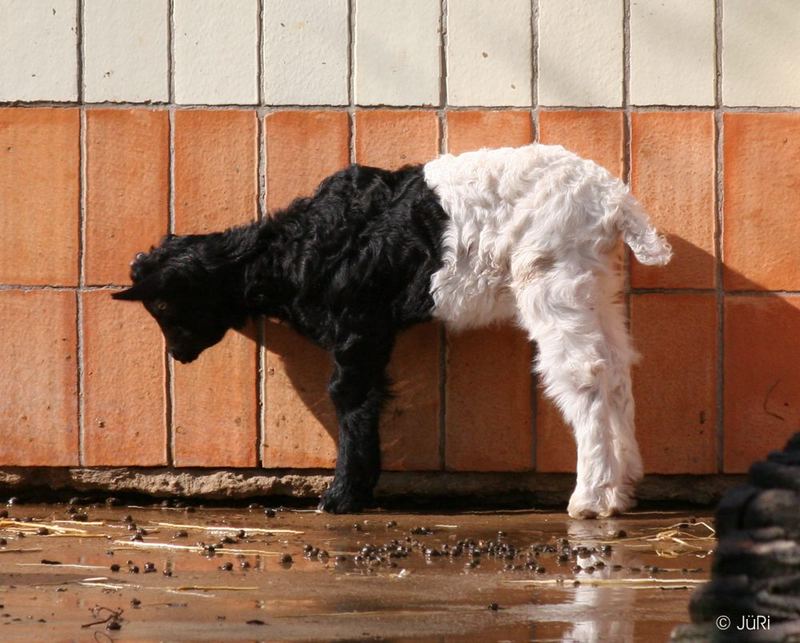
(348, 268)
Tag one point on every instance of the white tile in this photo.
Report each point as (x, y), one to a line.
(125, 50)
(580, 52)
(489, 52)
(38, 50)
(397, 52)
(216, 57)
(305, 52)
(761, 52)
(672, 52)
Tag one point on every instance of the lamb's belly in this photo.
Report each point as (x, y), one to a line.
(466, 295)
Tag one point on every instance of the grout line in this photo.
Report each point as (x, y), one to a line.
(79, 316)
(535, 69)
(260, 53)
(533, 377)
(443, 145)
(627, 148)
(80, 49)
(171, 51)
(261, 356)
(719, 200)
(261, 350)
(351, 30)
(169, 381)
(106, 105)
(635, 291)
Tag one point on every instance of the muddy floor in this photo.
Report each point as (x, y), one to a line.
(77, 572)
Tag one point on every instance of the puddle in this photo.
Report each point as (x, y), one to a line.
(306, 576)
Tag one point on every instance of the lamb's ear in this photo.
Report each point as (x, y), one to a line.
(138, 292)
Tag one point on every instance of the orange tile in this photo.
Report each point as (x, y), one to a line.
(555, 442)
(393, 138)
(673, 387)
(216, 169)
(596, 135)
(39, 187)
(127, 201)
(215, 405)
(488, 379)
(216, 186)
(124, 417)
(762, 381)
(302, 149)
(300, 425)
(472, 130)
(488, 401)
(38, 381)
(674, 384)
(673, 176)
(761, 207)
(410, 422)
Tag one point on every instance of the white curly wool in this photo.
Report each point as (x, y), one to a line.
(532, 237)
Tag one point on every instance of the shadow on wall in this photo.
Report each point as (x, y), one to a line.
(679, 334)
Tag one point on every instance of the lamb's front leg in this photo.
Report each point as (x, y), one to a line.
(358, 388)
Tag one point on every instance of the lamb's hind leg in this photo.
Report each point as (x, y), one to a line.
(577, 364)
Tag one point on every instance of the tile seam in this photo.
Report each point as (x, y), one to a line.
(106, 105)
(169, 374)
(80, 289)
(719, 197)
(533, 377)
(351, 30)
(441, 114)
(261, 328)
(170, 52)
(82, 185)
(260, 324)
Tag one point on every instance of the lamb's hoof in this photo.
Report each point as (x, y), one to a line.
(583, 506)
(338, 500)
(613, 502)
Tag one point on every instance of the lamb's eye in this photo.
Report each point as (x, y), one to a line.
(161, 306)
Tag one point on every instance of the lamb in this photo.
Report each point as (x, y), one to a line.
(527, 234)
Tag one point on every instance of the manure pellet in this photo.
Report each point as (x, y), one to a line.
(134, 569)
(149, 568)
(135, 602)
(226, 567)
(181, 534)
(270, 513)
(113, 625)
(244, 564)
(241, 534)
(43, 531)
(493, 607)
(137, 537)
(128, 518)
(286, 559)
(621, 533)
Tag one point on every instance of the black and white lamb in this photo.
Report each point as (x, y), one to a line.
(526, 234)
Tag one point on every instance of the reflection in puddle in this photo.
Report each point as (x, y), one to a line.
(239, 574)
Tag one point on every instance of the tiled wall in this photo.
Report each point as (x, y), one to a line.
(121, 120)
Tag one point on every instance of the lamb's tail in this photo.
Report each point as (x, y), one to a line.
(648, 246)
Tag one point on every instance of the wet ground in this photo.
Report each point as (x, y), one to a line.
(100, 573)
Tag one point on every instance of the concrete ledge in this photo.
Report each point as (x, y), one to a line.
(464, 488)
